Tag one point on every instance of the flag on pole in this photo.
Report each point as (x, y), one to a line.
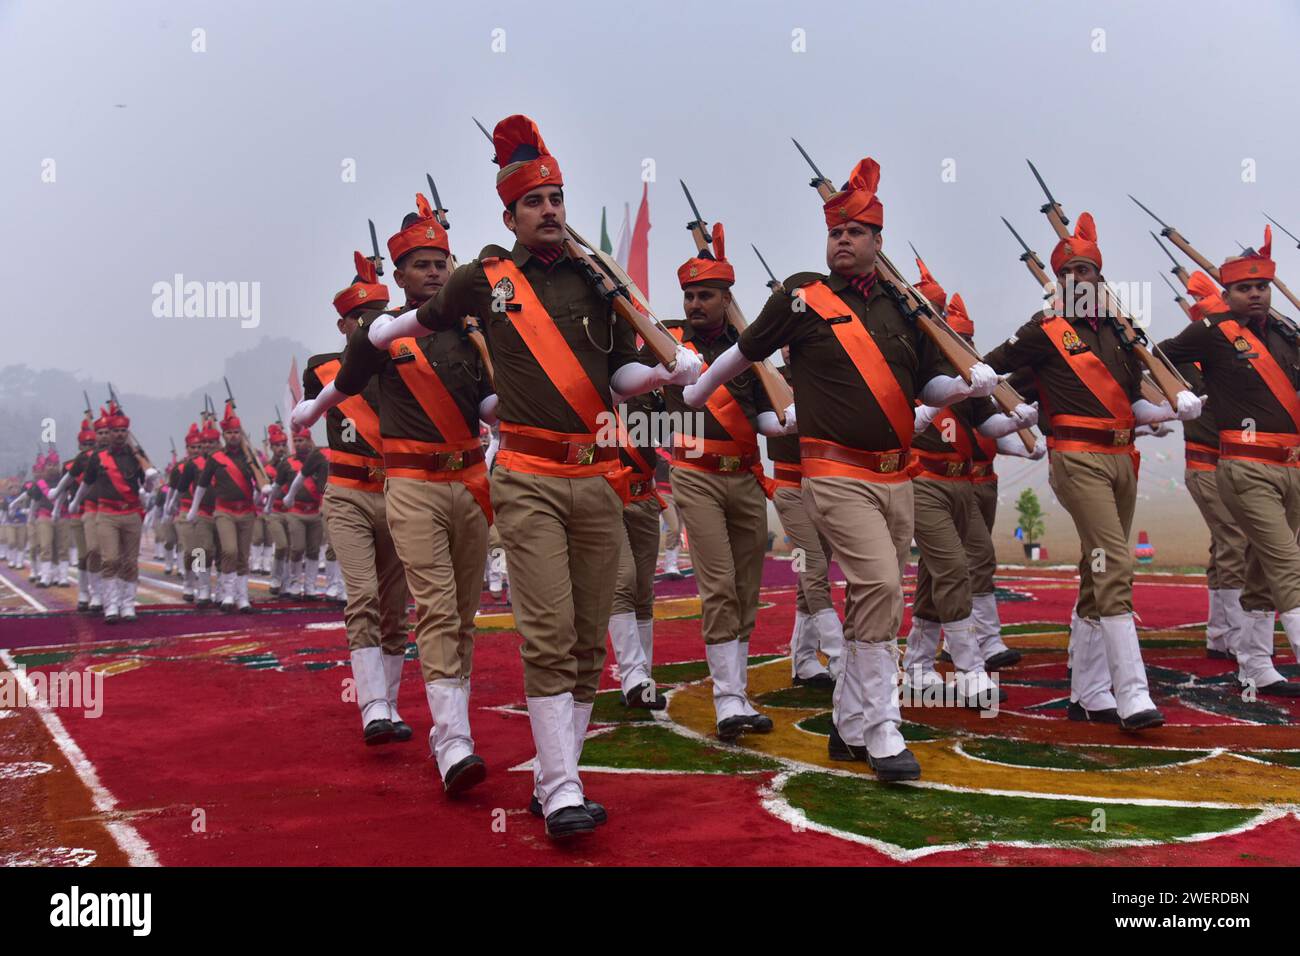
(292, 388)
(624, 237)
(606, 246)
(638, 258)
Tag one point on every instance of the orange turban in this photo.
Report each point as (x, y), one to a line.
(424, 233)
(1082, 245)
(364, 290)
(857, 201)
(1208, 300)
(929, 287)
(523, 158)
(957, 317)
(275, 434)
(706, 267)
(1251, 266)
(193, 436)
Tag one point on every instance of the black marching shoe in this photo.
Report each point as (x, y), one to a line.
(644, 697)
(822, 680)
(401, 731)
(83, 606)
(1002, 659)
(1143, 720)
(596, 810)
(379, 731)
(1280, 688)
(464, 774)
(758, 723)
(1108, 715)
(901, 766)
(732, 727)
(837, 749)
(569, 822)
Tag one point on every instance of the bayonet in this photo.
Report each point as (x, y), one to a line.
(1051, 204)
(439, 213)
(377, 259)
(819, 181)
(1165, 250)
(489, 137)
(913, 248)
(1028, 255)
(698, 224)
(1167, 228)
(1172, 288)
(277, 416)
(773, 282)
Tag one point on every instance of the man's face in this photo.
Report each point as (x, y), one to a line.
(117, 438)
(52, 471)
(1251, 299)
(192, 451)
(851, 248)
(278, 450)
(1083, 276)
(538, 219)
(303, 445)
(209, 447)
(422, 273)
(705, 306)
(101, 439)
(232, 439)
(348, 324)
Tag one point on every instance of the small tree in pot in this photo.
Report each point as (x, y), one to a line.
(1030, 512)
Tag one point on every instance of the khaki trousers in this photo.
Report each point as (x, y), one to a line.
(1099, 491)
(726, 518)
(89, 527)
(305, 532)
(811, 550)
(277, 531)
(440, 534)
(672, 516)
(235, 533)
(119, 544)
(943, 509)
(638, 554)
(869, 526)
(202, 550)
(51, 540)
(1228, 544)
(561, 537)
(1264, 500)
(375, 615)
(259, 530)
(981, 555)
(78, 530)
(167, 533)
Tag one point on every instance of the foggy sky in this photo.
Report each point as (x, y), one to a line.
(225, 165)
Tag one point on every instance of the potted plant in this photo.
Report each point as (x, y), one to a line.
(1030, 512)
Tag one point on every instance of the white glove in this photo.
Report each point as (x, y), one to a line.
(267, 489)
(376, 334)
(922, 416)
(693, 395)
(1026, 414)
(1189, 406)
(791, 424)
(687, 368)
(304, 414)
(150, 474)
(1012, 445)
(983, 380)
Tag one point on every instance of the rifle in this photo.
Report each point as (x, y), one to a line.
(774, 386)
(132, 443)
(1150, 391)
(89, 411)
(918, 309)
(1187, 249)
(773, 282)
(259, 473)
(628, 302)
(469, 323)
(209, 413)
(1166, 376)
(1178, 297)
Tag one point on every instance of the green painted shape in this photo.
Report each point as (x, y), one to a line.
(609, 709)
(1285, 758)
(821, 724)
(686, 672)
(914, 818)
(1022, 753)
(1226, 702)
(40, 659)
(321, 665)
(120, 649)
(1039, 627)
(640, 747)
(805, 698)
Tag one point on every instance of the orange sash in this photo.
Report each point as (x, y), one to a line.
(728, 413)
(982, 471)
(241, 482)
(536, 327)
(1091, 371)
(423, 382)
(1267, 367)
(355, 407)
(865, 355)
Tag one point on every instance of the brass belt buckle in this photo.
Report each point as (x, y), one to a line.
(1293, 454)
(375, 472)
(453, 461)
(889, 462)
(954, 469)
(728, 463)
(1122, 437)
(586, 454)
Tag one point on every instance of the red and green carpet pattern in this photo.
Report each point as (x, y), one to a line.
(228, 740)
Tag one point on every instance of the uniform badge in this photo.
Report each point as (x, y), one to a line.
(544, 170)
(1072, 343)
(504, 289)
(1240, 344)
(694, 272)
(361, 293)
(403, 349)
(431, 233)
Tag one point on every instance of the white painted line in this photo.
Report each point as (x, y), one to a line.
(137, 849)
(24, 595)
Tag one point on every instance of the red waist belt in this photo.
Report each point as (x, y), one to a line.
(1102, 439)
(724, 464)
(787, 474)
(356, 471)
(982, 472)
(241, 507)
(119, 507)
(564, 452)
(1200, 457)
(871, 465)
(1270, 447)
(949, 469)
(436, 462)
